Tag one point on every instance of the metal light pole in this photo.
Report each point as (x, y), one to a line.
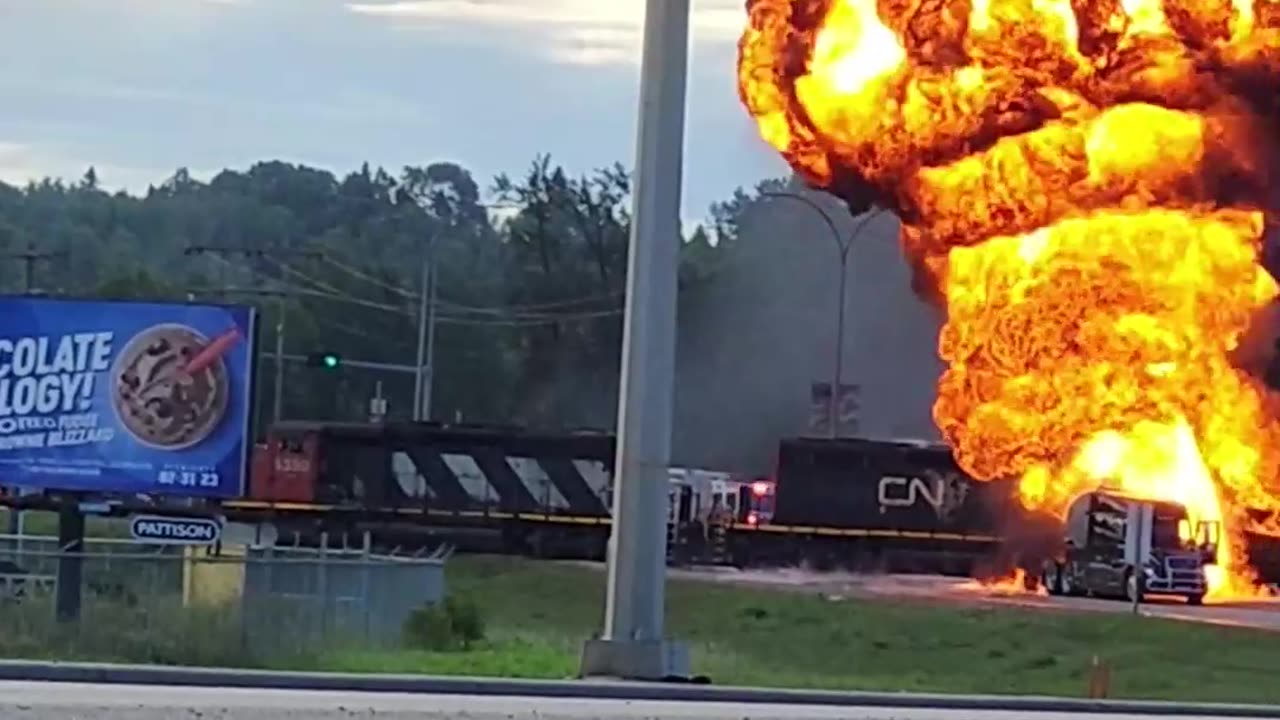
(277, 405)
(422, 380)
(429, 369)
(422, 331)
(843, 245)
(632, 645)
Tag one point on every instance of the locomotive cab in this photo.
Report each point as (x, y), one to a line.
(285, 467)
(755, 502)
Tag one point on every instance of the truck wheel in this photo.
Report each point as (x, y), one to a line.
(1066, 582)
(1051, 578)
(1195, 599)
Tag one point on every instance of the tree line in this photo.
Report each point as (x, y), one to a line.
(529, 275)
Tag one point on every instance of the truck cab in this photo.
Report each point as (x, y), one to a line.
(1121, 546)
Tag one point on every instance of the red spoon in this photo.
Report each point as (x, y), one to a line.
(202, 360)
(210, 353)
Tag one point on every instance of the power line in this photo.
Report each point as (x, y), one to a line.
(489, 309)
(222, 252)
(351, 270)
(553, 320)
(517, 321)
(307, 278)
(303, 292)
(548, 305)
(502, 317)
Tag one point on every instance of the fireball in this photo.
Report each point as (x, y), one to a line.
(1085, 184)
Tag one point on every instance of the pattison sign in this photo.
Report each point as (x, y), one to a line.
(174, 531)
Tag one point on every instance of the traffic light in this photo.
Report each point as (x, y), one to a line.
(328, 361)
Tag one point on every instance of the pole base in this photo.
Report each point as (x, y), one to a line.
(635, 660)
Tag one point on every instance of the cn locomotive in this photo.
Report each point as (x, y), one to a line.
(895, 505)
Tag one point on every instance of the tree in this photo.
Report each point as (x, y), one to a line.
(529, 290)
(566, 273)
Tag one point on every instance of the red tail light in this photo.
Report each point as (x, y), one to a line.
(760, 488)
(753, 519)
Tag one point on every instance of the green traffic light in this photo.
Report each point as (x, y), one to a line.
(331, 361)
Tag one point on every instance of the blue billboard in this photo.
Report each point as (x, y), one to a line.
(125, 397)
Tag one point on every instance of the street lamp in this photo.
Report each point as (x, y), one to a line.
(632, 644)
(843, 244)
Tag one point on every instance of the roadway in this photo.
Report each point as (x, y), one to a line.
(67, 701)
(1263, 613)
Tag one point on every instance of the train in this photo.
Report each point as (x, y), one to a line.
(862, 504)
(868, 504)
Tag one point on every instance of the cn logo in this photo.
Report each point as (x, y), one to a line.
(944, 493)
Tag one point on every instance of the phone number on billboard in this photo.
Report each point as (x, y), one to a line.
(188, 478)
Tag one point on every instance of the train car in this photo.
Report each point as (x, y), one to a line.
(863, 504)
(524, 491)
(480, 487)
(897, 505)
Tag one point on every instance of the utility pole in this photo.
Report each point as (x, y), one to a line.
(29, 258)
(278, 357)
(429, 371)
(425, 376)
(633, 645)
(281, 295)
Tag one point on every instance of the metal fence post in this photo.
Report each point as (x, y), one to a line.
(365, 601)
(246, 589)
(322, 575)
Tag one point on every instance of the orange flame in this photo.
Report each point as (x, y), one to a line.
(1086, 183)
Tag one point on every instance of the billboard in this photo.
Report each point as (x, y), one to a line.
(125, 397)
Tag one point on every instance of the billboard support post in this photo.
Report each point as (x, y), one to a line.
(70, 560)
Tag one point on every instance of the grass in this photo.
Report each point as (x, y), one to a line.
(538, 614)
(46, 524)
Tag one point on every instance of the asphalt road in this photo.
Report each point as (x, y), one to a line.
(1263, 614)
(60, 701)
(1258, 614)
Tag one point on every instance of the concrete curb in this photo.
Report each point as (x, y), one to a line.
(595, 690)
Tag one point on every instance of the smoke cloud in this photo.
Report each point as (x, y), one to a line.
(754, 338)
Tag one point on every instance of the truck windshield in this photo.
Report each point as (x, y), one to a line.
(1165, 535)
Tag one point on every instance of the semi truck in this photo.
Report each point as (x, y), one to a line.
(1116, 545)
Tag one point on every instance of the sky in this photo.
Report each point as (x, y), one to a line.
(138, 88)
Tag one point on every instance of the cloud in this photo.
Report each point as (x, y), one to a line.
(23, 162)
(17, 165)
(578, 32)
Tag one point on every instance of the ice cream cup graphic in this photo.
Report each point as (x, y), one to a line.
(170, 386)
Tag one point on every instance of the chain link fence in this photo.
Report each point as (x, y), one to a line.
(238, 606)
